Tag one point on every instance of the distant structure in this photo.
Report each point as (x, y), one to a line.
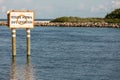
(42, 20)
(3, 22)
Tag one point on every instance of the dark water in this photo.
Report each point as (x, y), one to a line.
(62, 54)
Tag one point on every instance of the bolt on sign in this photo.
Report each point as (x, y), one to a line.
(20, 19)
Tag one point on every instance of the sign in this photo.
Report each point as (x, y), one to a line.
(20, 19)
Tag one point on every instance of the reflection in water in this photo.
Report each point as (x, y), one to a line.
(13, 69)
(21, 72)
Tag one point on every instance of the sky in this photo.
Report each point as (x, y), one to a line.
(50, 9)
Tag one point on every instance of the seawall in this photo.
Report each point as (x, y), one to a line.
(86, 24)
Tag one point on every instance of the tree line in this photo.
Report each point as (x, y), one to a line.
(113, 17)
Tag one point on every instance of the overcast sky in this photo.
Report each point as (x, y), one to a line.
(56, 8)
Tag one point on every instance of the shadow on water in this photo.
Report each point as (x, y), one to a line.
(21, 72)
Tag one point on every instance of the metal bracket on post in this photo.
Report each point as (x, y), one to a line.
(28, 42)
(13, 42)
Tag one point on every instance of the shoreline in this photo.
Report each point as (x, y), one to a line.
(86, 24)
(69, 24)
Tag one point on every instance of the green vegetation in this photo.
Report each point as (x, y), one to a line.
(113, 17)
(114, 14)
(112, 20)
(77, 19)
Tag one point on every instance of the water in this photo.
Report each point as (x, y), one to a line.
(62, 54)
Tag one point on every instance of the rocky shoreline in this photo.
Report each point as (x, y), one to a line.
(86, 24)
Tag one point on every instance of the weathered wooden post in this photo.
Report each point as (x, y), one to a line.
(28, 60)
(29, 72)
(13, 42)
(28, 42)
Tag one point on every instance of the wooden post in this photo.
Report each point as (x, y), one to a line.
(13, 42)
(28, 42)
(28, 60)
(28, 69)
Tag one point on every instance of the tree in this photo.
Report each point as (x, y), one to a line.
(114, 14)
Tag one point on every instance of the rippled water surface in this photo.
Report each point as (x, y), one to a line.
(62, 54)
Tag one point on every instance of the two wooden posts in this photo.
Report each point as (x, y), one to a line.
(20, 19)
